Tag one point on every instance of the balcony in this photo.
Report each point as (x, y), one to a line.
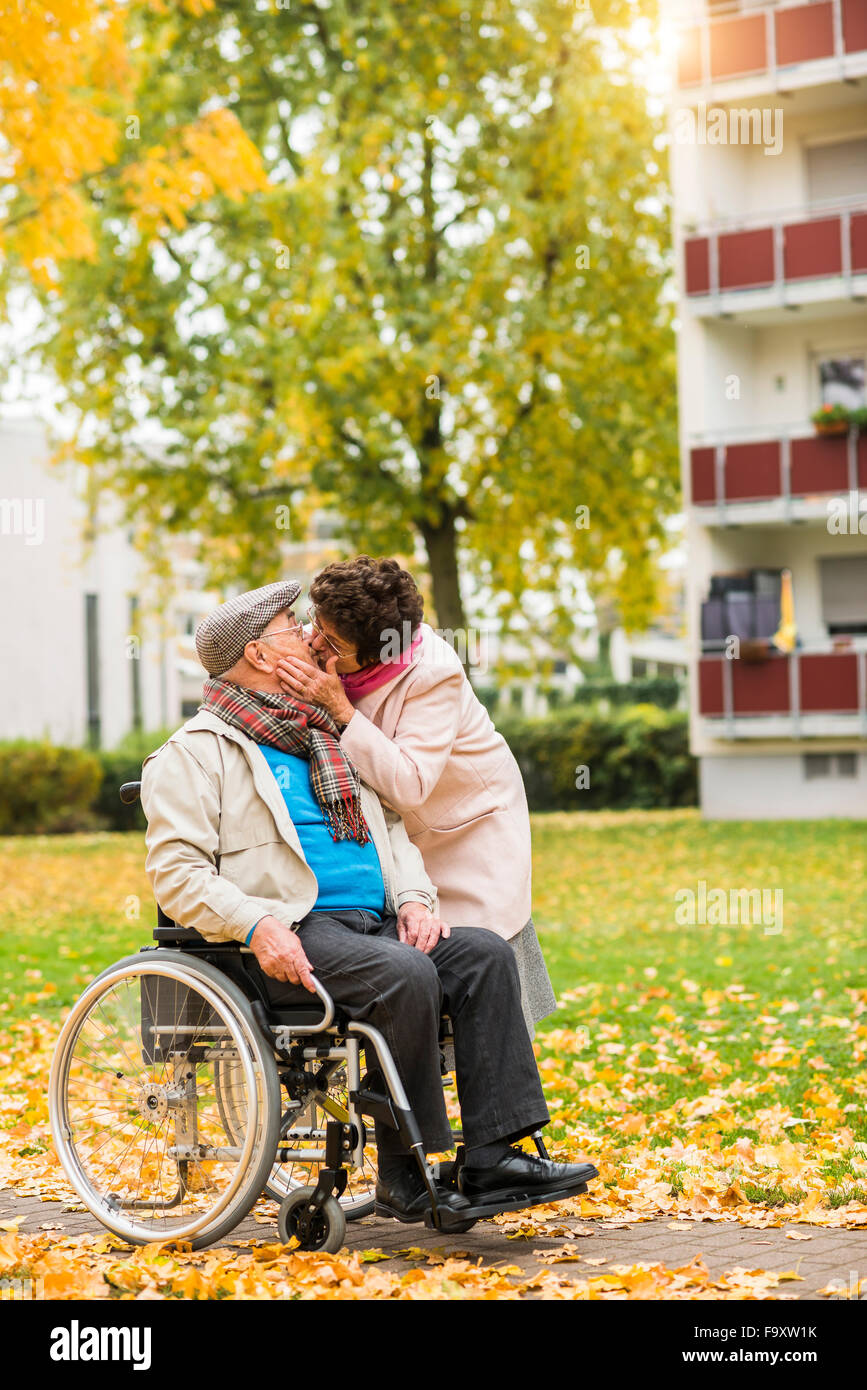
(789, 477)
(814, 692)
(816, 257)
(783, 46)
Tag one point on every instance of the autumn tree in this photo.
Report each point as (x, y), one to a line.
(443, 315)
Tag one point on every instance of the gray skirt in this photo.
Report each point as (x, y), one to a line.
(537, 993)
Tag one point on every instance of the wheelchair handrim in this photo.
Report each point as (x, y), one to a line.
(59, 1119)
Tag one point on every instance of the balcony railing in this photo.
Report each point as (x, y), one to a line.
(786, 251)
(792, 465)
(777, 37)
(802, 687)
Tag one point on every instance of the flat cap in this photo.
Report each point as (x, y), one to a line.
(223, 635)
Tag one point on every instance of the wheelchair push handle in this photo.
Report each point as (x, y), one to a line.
(130, 792)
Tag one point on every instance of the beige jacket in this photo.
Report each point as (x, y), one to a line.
(221, 847)
(427, 744)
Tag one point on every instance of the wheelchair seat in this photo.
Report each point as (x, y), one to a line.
(168, 933)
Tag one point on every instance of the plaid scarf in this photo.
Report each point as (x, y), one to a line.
(305, 731)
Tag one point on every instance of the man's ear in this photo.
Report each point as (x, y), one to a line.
(257, 656)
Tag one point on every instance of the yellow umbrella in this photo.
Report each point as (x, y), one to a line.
(786, 634)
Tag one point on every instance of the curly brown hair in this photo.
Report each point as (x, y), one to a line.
(367, 601)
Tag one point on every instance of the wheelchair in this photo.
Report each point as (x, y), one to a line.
(178, 1096)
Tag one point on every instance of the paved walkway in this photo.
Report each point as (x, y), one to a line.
(827, 1256)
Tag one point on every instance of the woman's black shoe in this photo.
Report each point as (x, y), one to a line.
(521, 1174)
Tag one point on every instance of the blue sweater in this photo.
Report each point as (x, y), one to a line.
(349, 875)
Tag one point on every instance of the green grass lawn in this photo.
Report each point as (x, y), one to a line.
(666, 1033)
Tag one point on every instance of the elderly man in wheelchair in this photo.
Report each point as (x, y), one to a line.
(296, 927)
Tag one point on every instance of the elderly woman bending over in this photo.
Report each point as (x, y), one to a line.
(414, 728)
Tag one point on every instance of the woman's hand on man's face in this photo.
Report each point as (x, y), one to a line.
(306, 681)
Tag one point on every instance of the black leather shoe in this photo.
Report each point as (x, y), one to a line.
(521, 1174)
(405, 1198)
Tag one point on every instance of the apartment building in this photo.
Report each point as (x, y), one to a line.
(769, 172)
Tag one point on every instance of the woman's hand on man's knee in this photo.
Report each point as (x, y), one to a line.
(417, 926)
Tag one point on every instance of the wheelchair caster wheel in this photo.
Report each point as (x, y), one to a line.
(324, 1229)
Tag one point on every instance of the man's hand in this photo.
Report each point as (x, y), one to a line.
(280, 953)
(306, 681)
(417, 926)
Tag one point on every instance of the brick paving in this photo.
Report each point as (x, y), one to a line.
(829, 1255)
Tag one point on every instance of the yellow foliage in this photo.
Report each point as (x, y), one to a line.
(68, 84)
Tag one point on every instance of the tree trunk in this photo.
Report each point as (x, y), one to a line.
(441, 545)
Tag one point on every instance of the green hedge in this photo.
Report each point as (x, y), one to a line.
(643, 690)
(44, 789)
(50, 790)
(123, 764)
(113, 814)
(635, 757)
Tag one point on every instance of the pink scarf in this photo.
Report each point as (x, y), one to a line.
(356, 684)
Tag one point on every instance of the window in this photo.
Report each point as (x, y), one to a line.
(91, 641)
(843, 587)
(817, 765)
(837, 171)
(830, 765)
(134, 654)
(842, 381)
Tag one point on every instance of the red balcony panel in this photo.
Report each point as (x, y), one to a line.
(746, 258)
(812, 248)
(703, 474)
(819, 465)
(689, 58)
(752, 470)
(858, 238)
(804, 33)
(829, 683)
(862, 461)
(854, 25)
(761, 688)
(697, 264)
(737, 45)
(710, 685)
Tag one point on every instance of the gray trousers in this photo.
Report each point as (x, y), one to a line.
(472, 976)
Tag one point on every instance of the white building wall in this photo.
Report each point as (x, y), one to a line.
(749, 785)
(42, 629)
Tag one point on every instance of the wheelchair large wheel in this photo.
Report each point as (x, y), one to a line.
(135, 1105)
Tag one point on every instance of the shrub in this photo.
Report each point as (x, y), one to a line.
(123, 764)
(117, 768)
(642, 690)
(636, 757)
(44, 789)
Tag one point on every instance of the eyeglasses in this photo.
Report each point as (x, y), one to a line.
(295, 626)
(311, 618)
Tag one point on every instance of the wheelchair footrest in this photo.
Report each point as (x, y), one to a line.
(497, 1202)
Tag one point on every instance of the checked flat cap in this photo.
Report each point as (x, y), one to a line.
(223, 635)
